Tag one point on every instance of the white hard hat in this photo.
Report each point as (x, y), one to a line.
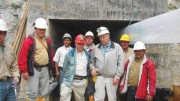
(40, 23)
(67, 35)
(102, 30)
(139, 46)
(89, 33)
(3, 26)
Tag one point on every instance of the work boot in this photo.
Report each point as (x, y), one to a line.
(40, 99)
(91, 98)
(28, 100)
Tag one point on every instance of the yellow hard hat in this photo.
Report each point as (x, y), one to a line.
(125, 37)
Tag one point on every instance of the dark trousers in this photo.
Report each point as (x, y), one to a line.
(131, 94)
(122, 97)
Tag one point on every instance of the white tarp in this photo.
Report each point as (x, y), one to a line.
(164, 28)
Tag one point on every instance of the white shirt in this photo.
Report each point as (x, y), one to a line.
(60, 55)
(81, 64)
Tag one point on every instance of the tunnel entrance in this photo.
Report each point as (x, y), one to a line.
(57, 28)
(75, 27)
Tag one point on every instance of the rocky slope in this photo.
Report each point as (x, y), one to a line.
(173, 4)
(11, 11)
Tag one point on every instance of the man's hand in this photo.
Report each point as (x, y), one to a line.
(93, 72)
(115, 81)
(15, 79)
(57, 74)
(149, 98)
(26, 76)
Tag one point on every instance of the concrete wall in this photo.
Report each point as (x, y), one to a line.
(95, 10)
(106, 9)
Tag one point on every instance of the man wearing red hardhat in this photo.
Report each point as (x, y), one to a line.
(60, 55)
(35, 61)
(107, 65)
(89, 41)
(9, 72)
(76, 71)
(139, 79)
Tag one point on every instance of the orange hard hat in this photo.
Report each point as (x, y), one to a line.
(80, 39)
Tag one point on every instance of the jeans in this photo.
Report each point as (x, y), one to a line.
(131, 94)
(7, 92)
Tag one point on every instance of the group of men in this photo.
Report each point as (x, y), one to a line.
(114, 66)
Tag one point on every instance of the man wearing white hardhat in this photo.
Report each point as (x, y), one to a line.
(89, 41)
(139, 79)
(107, 65)
(9, 72)
(60, 55)
(35, 61)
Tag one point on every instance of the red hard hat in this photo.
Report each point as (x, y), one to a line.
(80, 39)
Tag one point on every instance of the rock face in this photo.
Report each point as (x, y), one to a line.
(166, 58)
(11, 11)
(173, 4)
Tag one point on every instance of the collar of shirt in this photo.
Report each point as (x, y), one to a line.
(140, 59)
(106, 48)
(79, 53)
(89, 48)
(67, 48)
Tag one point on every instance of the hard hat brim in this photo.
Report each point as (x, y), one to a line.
(41, 27)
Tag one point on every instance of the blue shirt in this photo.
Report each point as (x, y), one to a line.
(106, 48)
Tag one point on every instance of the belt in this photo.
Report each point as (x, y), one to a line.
(39, 67)
(5, 78)
(132, 87)
(79, 77)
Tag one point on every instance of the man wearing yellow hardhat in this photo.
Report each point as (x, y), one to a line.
(125, 39)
